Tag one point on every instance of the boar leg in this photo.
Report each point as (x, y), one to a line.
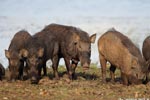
(103, 66)
(25, 72)
(124, 78)
(11, 78)
(39, 70)
(147, 75)
(55, 61)
(112, 71)
(68, 66)
(0, 75)
(20, 76)
(44, 69)
(147, 78)
(74, 65)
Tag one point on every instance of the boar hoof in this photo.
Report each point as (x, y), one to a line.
(74, 76)
(13, 80)
(104, 81)
(56, 78)
(34, 82)
(112, 81)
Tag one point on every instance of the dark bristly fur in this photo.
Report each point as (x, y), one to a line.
(146, 54)
(74, 44)
(16, 62)
(2, 71)
(35, 61)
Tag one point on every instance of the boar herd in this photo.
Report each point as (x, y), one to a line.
(27, 54)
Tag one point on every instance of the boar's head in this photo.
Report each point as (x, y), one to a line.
(137, 73)
(34, 58)
(81, 48)
(15, 63)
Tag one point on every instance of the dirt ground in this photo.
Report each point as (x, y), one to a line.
(87, 86)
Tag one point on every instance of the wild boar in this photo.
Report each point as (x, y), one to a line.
(146, 54)
(119, 50)
(40, 48)
(74, 45)
(2, 71)
(14, 55)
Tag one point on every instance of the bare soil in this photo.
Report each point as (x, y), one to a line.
(87, 86)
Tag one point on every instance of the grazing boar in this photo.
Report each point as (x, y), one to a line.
(40, 48)
(119, 50)
(74, 45)
(14, 55)
(146, 54)
(2, 71)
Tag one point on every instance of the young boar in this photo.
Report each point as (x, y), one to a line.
(119, 50)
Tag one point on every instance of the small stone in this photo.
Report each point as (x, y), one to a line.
(5, 98)
(136, 95)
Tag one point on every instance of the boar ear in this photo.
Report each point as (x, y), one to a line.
(41, 52)
(134, 63)
(7, 53)
(76, 38)
(93, 38)
(23, 53)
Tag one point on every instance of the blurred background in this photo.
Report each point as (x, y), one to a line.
(131, 17)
